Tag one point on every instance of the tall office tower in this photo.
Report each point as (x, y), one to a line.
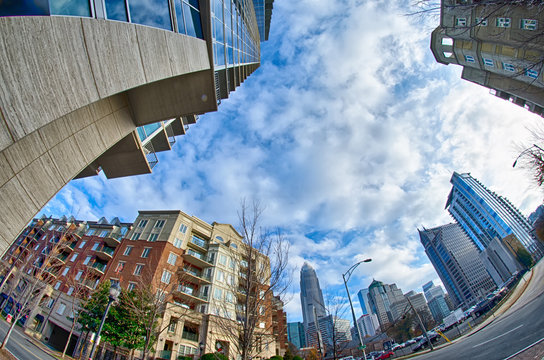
(296, 334)
(334, 330)
(484, 215)
(457, 262)
(498, 47)
(105, 85)
(363, 300)
(381, 297)
(436, 300)
(311, 297)
(198, 268)
(368, 324)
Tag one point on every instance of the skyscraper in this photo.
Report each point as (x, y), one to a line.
(457, 262)
(436, 300)
(381, 297)
(363, 300)
(105, 85)
(296, 334)
(498, 47)
(311, 299)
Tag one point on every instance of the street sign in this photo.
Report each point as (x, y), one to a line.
(362, 347)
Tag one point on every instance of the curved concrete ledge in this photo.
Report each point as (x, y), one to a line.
(71, 88)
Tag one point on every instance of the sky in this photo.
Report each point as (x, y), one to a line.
(348, 134)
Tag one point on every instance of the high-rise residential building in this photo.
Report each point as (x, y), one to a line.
(105, 85)
(198, 268)
(456, 259)
(362, 295)
(368, 324)
(311, 298)
(296, 334)
(485, 215)
(498, 47)
(381, 297)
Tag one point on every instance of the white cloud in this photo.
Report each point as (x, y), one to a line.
(349, 133)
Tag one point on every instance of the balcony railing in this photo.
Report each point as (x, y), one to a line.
(199, 242)
(164, 354)
(100, 267)
(106, 250)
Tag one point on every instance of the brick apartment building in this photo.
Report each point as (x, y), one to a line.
(198, 266)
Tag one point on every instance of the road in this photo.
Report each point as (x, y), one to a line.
(20, 346)
(519, 327)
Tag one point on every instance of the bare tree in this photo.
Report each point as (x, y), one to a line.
(259, 271)
(336, 328)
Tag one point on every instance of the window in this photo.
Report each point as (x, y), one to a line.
(74, 257)
(489, 62)
(65, 271)
(529, 24)
(87, 259)
(508, 67)
(135, 236)
(219, 275)
(261, 310)
(142, 223)
(532, 73)
(153, 237)
(230, 280)
(177, 243)
(57, 285)
(503, 22)
(159, 224)
(131, 286)
(90, 232)
(95, 246)
(220, 239)
(61, 308)
(128, 249)
(469, 58)
(222, 259)
(50, 303)
(146, 252)
(82, 244)
(461, 21)
(232, 265)
(138, 269)
(172, 258)
(70, 290)
(78, 275)
(234, 246)
(104, 233)
(166, 276)
(114, 283)
(37, 247)
(120, 266)
(183, 228)
(218, 294)
(481, 21)
(229, 297)
(172, 325)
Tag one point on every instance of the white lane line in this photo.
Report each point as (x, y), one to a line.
(525, 348)
(496, 337)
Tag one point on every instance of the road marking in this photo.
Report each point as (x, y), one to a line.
(496, 337)
(525, 348)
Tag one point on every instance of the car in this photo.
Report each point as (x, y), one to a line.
(373, 355)
(385, 355)
(395, 347)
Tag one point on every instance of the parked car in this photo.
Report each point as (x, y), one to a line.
(385, 355)
(395, 347)
(373, 355)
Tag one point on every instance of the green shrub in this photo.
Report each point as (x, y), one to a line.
(214, 356)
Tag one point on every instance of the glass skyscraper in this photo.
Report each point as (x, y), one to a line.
(485, 215)
(456, 260)
(296, 335)
(311, 298)
(363, 300)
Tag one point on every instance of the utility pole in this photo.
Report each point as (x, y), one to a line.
(421, 323)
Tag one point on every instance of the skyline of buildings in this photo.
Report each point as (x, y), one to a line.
(112, 111)
(198, 267)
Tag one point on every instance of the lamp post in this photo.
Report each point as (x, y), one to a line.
(114, 294)
(348, 273)
(528, 150)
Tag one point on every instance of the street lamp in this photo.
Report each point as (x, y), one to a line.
(348, 273)
(528, 150)
(114, 294)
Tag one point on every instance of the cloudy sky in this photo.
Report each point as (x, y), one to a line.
(348, 133)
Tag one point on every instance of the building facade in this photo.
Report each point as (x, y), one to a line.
(362, 295)
(296, 334)
(436, 300)
(455, 258)
(368, 324)
(485, 215)
(498, 45)
(381, 298)
(103, 86)
(196, 267)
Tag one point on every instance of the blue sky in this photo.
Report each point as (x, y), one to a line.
(348, 133)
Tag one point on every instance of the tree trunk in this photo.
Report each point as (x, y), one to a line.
(69, 336)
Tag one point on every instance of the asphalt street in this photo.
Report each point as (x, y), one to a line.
(519, 327)
(20, 346)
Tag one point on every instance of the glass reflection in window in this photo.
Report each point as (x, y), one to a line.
(116, 10)
(70, 7)
(154, 13)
